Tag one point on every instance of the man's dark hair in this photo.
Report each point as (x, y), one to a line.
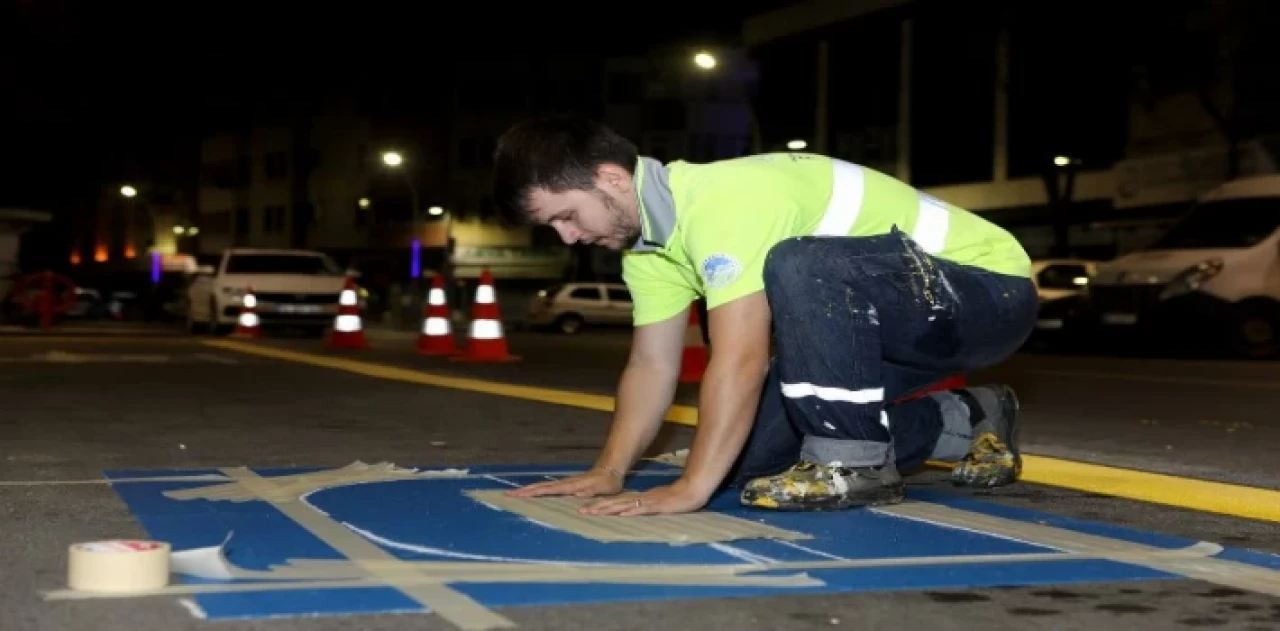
(559, 153)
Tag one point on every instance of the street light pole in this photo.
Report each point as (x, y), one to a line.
(395, 160)
(705, 61)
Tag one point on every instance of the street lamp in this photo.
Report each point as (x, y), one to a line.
(706, 61)
(797, 145)
(364, 202)
(128, 191)
(179, 229)
(392, 158)
(435, 211)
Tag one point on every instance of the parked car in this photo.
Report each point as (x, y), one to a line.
(1061, 285)
(571, 306)
(296, 288)
(1214, 276)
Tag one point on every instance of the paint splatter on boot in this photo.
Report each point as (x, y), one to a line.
(808, 486)
(994, 457)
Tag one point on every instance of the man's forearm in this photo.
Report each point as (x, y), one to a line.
(645, 392)
(726, 408)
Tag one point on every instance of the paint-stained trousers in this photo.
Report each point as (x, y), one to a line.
(860, 322)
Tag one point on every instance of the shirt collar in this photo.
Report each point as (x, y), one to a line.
(657, 206)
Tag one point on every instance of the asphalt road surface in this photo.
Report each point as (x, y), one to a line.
(76, 407)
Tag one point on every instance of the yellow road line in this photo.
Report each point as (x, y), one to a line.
(678, 414)
(1201, 495)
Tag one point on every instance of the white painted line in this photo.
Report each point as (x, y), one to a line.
(449, 604)
(501, 481)
(199, 477)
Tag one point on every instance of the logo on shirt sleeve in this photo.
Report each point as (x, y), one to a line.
(720, 270)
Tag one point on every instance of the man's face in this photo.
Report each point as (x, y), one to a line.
(607, 216)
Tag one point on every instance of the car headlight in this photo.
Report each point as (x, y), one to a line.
(1192, 278)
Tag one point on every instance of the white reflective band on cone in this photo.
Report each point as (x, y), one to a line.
(847, 182)
(484, 295)
(347, 323)
(249, 301)
(249, 320)
(435, 297)
(486, 330)
(347, 298)
(435, 326)
(799, 390)
(932, 224)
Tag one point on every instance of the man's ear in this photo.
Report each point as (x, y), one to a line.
(615, 177)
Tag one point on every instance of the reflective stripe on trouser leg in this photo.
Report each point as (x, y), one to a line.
(829, 351)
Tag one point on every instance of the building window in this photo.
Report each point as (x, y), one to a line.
(362, 158)
(220, 174)
(277, 165)
(476, 153)
(659, 150)
(273, 219)
(242, 226)
(626, 88)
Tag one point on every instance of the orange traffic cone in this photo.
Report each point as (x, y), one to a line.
(437, 331)
(248, 324)
(348, 330)
(485, 340)
(693, 362)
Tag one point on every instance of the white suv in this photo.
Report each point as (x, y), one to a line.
(570, 306)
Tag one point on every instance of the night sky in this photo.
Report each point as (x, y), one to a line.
(100, 92)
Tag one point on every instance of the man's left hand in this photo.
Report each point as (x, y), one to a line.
(664, 500)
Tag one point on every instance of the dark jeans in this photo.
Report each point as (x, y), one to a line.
(860, 322)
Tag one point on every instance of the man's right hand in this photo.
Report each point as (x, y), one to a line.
(593, 483)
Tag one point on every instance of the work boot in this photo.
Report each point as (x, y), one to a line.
(808, 486)
(994, 457)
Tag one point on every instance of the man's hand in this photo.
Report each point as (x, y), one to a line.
(664, 500)
(593, 483)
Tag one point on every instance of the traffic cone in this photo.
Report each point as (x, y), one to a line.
(693, 362)
(348, 330)
(437, 331)
(485, 340)
(248, 324)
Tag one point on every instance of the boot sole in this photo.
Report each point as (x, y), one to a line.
(1010, 408)
(894, 494)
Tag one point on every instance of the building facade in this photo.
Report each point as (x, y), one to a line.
(995, 106)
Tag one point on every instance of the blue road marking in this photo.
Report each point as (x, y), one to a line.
(433, 519)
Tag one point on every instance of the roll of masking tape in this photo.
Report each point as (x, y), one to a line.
(118, 566)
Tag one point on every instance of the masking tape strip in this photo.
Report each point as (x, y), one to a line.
(1219, 571)
(701, 527)
(434, 572)
(289, 488)
(449, 604)
(218, 477)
